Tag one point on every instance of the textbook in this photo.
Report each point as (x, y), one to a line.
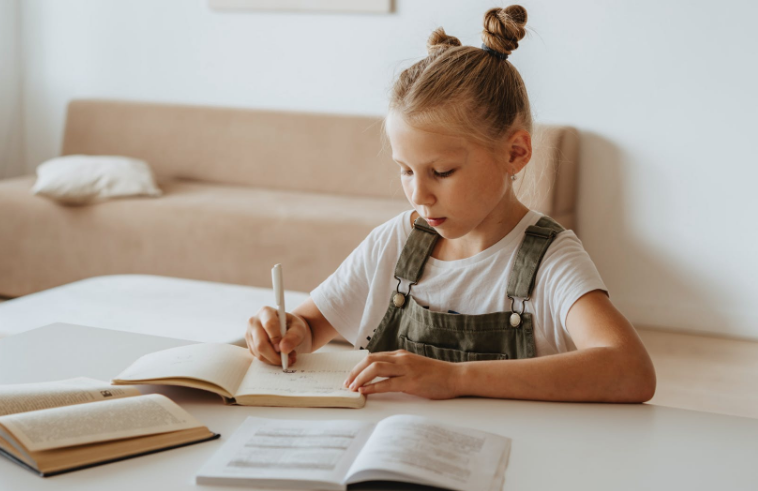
(329, 455)
(315, 380)
(55, 427)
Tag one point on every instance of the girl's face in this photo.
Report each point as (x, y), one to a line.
(458, 187)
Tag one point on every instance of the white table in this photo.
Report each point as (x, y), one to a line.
(555, 446)
(200, 311)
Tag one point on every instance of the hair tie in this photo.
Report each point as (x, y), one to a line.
(491, 51)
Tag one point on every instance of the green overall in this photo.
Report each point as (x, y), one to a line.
(458, 337)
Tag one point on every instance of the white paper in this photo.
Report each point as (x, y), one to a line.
(314, 374)
(89, 423)
(430, 453)
(221, 364)
(278, 452)
(20, 398)
(318, 454)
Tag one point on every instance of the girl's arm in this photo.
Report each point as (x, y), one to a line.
(307, 330)
(610, 365)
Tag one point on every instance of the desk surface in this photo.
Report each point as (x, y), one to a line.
(173, 307)
(555, 445)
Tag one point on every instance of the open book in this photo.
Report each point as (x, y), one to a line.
(56, 427)
(294, 454)
(315, 380)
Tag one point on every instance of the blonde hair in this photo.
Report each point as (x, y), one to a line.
(467, 90)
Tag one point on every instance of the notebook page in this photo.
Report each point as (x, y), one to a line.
(420, 450)
(89, 423)
(222, 364)
(20, 398)
(272, 452)
(313, 374)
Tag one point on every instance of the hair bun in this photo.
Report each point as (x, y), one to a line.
(439, 41)
(517, 14)
(504, 28)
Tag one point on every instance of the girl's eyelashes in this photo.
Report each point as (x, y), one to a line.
(408, 172)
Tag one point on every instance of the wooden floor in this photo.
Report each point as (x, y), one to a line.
(703, 373)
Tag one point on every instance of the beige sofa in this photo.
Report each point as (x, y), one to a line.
(243, 190)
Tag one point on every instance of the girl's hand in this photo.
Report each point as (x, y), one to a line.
(406, 372)
(264, 338)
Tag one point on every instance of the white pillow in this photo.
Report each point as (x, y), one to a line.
(82, 179)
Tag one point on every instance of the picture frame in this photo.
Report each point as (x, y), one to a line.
(352, 6)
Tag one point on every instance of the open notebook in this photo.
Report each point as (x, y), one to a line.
(294, 454)
(315, 380)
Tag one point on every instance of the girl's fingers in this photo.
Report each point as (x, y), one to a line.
(360, 366)
(266, 351)
(376, 369)
(388, 356)
(248, 339)
(264, 339)
(249, 336)
(295, 334)
(393, 384)
(269, 320)
(261, 345)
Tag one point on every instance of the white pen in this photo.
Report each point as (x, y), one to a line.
(276, 279)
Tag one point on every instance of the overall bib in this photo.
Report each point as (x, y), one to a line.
(458, 337)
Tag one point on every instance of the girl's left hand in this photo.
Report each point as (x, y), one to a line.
(406, 372)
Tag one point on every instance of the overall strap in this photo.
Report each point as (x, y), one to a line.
(416, 251)
(537, 239)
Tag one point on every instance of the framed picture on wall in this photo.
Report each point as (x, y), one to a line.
(360, 6)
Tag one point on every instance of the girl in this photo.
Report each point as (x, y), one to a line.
(471, 293)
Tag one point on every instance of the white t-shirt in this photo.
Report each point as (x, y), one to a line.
(355, 298)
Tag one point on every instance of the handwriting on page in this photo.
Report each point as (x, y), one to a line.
(319, 374)
(299, 381)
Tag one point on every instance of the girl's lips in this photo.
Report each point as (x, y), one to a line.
(435, 222)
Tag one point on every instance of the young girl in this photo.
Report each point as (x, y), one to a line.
(471, 293)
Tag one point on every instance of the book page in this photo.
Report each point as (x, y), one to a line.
(267, 450)
(419, 450)
(90, 423)
(20, 398)
(221, 364)
(313, 374)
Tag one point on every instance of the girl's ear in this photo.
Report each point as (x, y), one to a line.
(519, 150)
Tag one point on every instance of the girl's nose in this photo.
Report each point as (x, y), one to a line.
(422, 195)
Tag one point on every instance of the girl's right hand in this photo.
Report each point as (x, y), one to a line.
(264, 338)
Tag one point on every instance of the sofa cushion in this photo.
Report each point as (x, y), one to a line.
(81, 179)
(230, 234)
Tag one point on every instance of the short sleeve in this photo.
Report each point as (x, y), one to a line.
(566, 274)
(342, 297)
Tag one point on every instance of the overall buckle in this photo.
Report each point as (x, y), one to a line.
(515, 319)
(398, 299)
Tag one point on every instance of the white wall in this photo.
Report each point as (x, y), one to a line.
(664, 93)
(11, 158)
